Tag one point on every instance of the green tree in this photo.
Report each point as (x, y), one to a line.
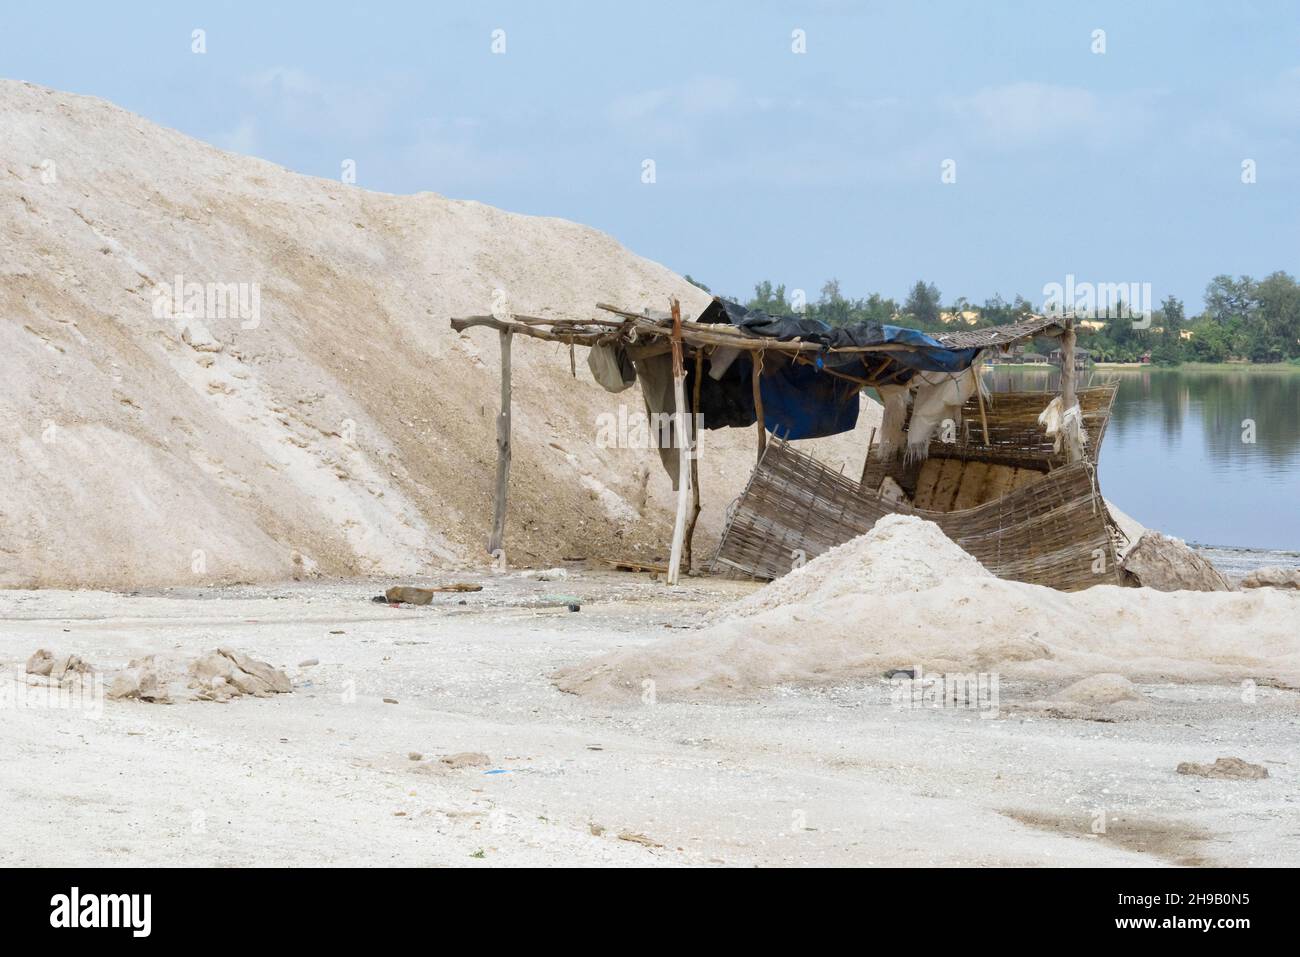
(832, 307)
(1226, 298)
(923, 304)
(1168, 349)
(1274, 319)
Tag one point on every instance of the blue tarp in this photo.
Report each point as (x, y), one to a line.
(803, 402)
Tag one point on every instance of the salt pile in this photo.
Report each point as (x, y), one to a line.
(345, 429)
(905, 595)
(900, 553)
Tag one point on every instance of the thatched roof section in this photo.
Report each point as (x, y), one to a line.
(1003, 336)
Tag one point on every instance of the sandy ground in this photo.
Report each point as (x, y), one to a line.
(841, 776)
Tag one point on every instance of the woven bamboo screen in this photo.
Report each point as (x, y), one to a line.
(1054, 531)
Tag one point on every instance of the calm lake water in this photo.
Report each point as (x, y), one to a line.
(1175, 459)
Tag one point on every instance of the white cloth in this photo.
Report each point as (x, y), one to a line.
(1064, 426)
(895, 398)
(939, 398)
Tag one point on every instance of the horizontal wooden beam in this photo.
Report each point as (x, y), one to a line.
(492, 322)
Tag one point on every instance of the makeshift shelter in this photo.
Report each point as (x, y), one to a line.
(1022, 495)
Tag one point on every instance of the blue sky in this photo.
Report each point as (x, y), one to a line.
(1115, 167)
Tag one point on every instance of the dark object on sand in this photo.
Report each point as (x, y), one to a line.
(410, 595)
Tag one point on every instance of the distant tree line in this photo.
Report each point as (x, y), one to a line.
(1242, 319)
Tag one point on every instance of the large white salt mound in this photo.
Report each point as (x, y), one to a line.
(345, 429)
(829, 627)
(900, 553)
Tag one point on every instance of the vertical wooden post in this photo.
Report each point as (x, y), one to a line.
(1068, 398)
(696, 420)
(681, 437)
(979, 397)
(866, 462)
(503, 447)
(756, 360)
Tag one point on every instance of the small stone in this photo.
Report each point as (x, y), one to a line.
(140, 680)
(415, 756)
(40, 663)
(1233, 768)
(1274, 576)
(309, 662)
(197, 337)
(44, 664)
(390, 701)
(1101, 689)
(408, 595)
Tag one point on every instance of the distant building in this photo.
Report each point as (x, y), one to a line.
(1018, 355)
(1082, 358)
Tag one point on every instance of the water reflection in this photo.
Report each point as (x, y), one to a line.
(1177, 455)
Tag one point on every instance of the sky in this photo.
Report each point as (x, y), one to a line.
(1112, 161)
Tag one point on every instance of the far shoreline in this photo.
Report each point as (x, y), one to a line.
(1268, 367)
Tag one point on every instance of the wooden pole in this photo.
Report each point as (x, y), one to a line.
(979, 397)
(866, 463)
(1068, 398)
(756, 360)
(503, 447)
(696, 419)
(1067, 365)
(682, 438)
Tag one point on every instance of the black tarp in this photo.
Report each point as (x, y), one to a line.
(927, 353)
